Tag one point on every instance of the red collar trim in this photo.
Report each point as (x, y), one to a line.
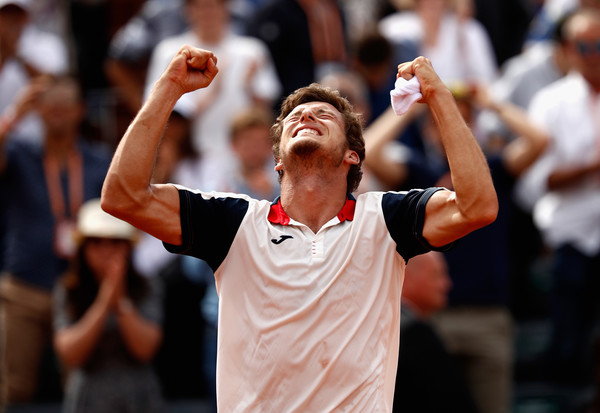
(278, 216)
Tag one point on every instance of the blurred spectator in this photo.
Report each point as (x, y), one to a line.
(459, 47)
(42, 187)
(251, 141)
(545, 16)
(397, 165)
(373, 59)
(525, 74)
(246, 77)
(429, 379)
(567, 213)
(130, 48)
(19, 64)
(361, 16)
(306, 38)
(522, 76)
(107, 321)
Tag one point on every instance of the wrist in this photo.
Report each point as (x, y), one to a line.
(7, 120)
(124, 306)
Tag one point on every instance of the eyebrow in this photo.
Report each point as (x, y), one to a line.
(318, 110)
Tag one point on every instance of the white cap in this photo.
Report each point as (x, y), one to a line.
(94, 222)
(24, 4)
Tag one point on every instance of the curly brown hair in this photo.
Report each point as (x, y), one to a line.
(353, 126)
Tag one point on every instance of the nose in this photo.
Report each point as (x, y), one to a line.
(307, 115)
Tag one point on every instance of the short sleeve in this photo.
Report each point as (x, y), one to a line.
(209, 223)
(404, 214)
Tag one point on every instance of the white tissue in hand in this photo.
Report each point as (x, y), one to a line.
(405, 93)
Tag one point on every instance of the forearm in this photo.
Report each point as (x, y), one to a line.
(381, 132)
(75, 344)
(7, 121)
(530, 142)
(475, 194)
(142, 337)
(564, 178)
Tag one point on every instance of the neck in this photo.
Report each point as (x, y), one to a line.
(312, 200)
(211, 36)
(59, 148)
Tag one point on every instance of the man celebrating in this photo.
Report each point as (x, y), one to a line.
(310, 284)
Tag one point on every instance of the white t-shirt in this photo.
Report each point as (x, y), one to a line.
(47, 53)
(570, 112)
(463, 51)
(307, 322)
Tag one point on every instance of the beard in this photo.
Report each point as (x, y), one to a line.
(305, 148)
(309, 154)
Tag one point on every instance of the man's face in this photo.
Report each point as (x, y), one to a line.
(311, 127)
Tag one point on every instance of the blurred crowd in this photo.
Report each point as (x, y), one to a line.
(95, 316)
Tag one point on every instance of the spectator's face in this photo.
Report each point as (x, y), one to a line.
(427, 282)
(207, 15)
(583, 38)
(432, 9)
(253, 147)
(107, 257)
(12, 22)
(60, 108)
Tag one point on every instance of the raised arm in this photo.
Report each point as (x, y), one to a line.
(385, 129)
(26, 101)
(127, 192)
(531, 140)
(473, 203)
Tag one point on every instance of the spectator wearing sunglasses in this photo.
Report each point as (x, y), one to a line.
(568, 212)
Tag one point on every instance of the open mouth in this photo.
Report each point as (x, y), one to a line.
(307, 131)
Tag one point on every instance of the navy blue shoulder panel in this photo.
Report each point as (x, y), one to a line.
(404, 214)
(208, 226)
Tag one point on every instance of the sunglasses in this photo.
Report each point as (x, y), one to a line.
(587, 48)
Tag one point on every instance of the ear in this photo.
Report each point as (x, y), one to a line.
(352, 157)
(278, 166)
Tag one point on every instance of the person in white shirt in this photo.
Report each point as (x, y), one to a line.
(459, 47)
(248, 78)
(309, 285)
(19, 64)
(568, 211)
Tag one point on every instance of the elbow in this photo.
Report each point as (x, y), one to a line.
(117, 198)
(108, 204)
(147, 352)
(487, 212)
(108, 197)
(67, 356)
